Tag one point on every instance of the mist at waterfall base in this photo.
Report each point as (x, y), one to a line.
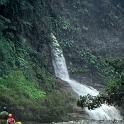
(105, 112)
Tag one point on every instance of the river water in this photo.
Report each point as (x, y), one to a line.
(92, 122)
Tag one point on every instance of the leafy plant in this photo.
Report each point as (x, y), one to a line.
(16, 80)
(3, 2)
(85, 28)
(115, 91)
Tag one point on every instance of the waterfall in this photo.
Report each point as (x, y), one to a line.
(105, 112)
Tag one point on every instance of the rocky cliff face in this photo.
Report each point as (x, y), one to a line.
(86, 31)
(96, 24)
(66, 89)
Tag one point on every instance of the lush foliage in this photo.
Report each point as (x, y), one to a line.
(115, 90)
(27, 88)
(25, 62)
(26, 100)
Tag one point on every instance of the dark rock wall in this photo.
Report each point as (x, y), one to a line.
(87, 26)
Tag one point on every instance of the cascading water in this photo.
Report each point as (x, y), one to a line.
(105, 112)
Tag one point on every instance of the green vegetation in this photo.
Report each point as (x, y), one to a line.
(26, 76)
(115, 90)
(26, 85)
(17, 81)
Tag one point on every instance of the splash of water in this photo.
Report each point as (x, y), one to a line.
(105, 112)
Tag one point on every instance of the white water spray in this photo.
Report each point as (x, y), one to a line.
(105, 112)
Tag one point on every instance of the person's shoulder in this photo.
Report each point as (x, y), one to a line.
(4, 112)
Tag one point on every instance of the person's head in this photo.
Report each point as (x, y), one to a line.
(10, 115)
(4, 108)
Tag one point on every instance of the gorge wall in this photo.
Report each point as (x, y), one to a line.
(89, 31)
